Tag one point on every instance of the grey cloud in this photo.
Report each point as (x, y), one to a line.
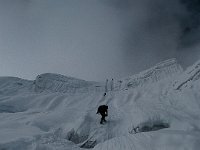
(155, 30)
(95, 39)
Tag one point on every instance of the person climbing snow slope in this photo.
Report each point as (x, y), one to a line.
(103, 111)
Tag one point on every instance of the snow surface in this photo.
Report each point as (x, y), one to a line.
(55, 112)
(191, 75)
(166, 69)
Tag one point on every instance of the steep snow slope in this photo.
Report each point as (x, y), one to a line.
(59, 83)
(190, 76)
(163, 70)
(55, 118)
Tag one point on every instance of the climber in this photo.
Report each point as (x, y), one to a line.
(103, 111)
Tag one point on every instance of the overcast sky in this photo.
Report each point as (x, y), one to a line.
(96, 39)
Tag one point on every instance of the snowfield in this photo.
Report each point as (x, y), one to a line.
(56, 112)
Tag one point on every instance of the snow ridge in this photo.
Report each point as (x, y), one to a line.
(13, 85)
(59, 83)
(190, 75)
(163, 70)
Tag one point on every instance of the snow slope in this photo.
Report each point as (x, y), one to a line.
(55, 112)
(189, 77)
(162, 70)
(59, 83)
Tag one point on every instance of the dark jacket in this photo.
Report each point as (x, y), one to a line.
(103, 110)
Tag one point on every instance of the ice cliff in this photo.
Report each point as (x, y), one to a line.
(166, 69)
(50, 82)
(59, 83)
(188, 77)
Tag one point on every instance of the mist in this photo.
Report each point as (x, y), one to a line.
(159, 29)
(93, 39)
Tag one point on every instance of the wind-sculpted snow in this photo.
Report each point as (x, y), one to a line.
(189, 77)
(163, 70)
(59, 83)
(13, 85)
(55, 118)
